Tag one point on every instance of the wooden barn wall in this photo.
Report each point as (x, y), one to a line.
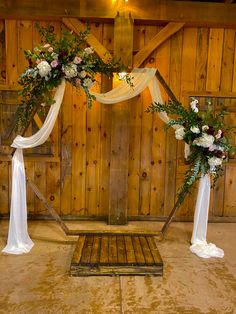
(75, 179)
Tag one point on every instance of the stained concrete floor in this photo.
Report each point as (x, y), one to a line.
(38, 282)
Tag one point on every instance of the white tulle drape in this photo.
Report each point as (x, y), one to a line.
(18, 239)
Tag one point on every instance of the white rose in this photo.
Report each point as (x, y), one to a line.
(205, 127)
(87, 82)
(179, 133)
(206, 140)
(214, 161)
(70, 70)
(82, 74)
(195, 129)
(44, 68)
(88, 50)
(193, 105)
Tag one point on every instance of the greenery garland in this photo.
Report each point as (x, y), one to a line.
(206, 137)
(68, 57)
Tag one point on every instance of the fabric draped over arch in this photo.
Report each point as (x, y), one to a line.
(18, 238)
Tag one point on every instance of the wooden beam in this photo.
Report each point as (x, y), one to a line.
(156, 41)
(149, 11)
(77, 26)
(120, 116)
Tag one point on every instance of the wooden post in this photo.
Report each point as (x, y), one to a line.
(120, 116)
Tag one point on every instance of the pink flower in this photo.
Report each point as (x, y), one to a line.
(54, 63)
(50, 49)
(212, 148)
(38, 61)
(77, 60)
(218, 135)
(46, 46)
(77, 81)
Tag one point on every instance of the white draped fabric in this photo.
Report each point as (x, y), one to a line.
(199, 244)
(18, 239)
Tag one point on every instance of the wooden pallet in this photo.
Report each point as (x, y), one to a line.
(102, 254)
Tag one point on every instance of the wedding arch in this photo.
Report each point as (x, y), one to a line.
(18, 238)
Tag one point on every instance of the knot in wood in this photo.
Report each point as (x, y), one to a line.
(144, 174)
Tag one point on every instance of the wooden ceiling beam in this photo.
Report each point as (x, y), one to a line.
(149, 11)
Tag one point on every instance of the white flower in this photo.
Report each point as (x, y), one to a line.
(206, 140)
(82, 74)
(44, 68)
(179, 133)
(205, 127)
(70, 70)
(195, 129)
(214, 161)
(88, 50)
(193, 105)
(54, 55)
(87, 82)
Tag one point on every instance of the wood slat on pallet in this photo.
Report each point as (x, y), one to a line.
(78, 250)
(87, 250)
(121, 253)
(130, 251)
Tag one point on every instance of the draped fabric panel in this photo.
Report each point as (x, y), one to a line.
(18, 239)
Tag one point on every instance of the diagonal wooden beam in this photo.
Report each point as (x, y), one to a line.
(169, 30)
(76, 26)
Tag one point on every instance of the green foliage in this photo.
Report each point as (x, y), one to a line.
(68, 57)
(207, 137)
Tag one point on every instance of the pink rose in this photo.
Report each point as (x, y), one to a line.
(46, 46)
(38, 61)
(77, 81)
(54, 63)
(77, 60)
(50, 49)
(218, 135)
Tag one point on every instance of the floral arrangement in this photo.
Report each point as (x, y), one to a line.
(205, 137)
(69, 58)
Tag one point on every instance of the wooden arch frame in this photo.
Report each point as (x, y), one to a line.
(76, 26)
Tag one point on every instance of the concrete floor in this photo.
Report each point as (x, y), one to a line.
(38, 282)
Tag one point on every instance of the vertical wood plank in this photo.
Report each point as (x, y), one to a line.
(2, 53)
(159, 138)
(171, 144)
(53, 185)
(4, 188)
(135, 132)
(105, 134)
(11, 52)
(123, 33)
(230, 192)
(40, 181)
(93, 145)
(68, 105)
(215, 51)
(79, 125)
(30, 196)
(201, 59)
(187, 83)
(225, 85)
(146, 136)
